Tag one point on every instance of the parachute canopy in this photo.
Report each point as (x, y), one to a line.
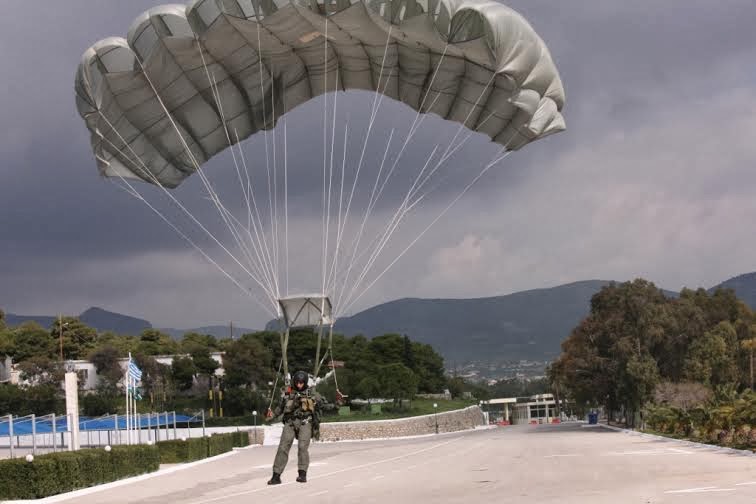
(226, 69)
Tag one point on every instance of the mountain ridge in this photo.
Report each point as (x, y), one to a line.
(529, 324)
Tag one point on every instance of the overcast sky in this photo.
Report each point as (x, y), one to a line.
(655, 176)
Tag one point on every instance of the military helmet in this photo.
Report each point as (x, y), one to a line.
(300, 376)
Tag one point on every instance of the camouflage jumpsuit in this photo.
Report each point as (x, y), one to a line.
(300, 414)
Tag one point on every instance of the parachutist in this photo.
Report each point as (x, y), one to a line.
(300, 408)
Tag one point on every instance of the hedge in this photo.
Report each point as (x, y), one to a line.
(56, 473)
(175, 452)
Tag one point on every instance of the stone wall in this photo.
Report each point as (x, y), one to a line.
(450, 421)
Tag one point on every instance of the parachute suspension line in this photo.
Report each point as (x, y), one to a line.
(274, 208)
(198, 168)
(373, 113)
(265, 136)
(270, 253)
(173, 198)
(407, 205)
(316, 369)
(339, 231)
(275, 384)
(449, 155)
(129, 189)
(237, 236)
(286, 202)
(256, 219)
(328, 206)
(371, 203)
(284, 351)
(413, 128)
(497, 159)
(446, 155)
(324, 227)
(390, 229)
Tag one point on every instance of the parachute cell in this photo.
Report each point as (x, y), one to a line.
(225, 69)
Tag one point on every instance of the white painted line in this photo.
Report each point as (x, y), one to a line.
(362, 466)
(746, 483)
(562, 455)
(699, 490)
(677, 450)
(378, 477)
(350, 485)
(319, 493)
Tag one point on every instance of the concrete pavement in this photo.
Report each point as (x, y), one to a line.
(528, 464)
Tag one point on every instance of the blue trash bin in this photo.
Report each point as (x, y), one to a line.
(592, 418)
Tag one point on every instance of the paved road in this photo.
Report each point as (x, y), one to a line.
(523, 464)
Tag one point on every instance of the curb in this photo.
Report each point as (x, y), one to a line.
(683, 442)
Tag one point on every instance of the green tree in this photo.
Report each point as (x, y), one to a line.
(182, 372)
(154, 342)
(31, 340)
(397, 381)
(78, 338)
(7, 343)
(711, 358)
(246, 363)
(108, 367)
(42, 371)
(369, 387)
(194, 342)
(428, 365)
(123, 344)
(749, 345)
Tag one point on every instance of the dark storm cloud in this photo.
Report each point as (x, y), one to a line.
(654, 161)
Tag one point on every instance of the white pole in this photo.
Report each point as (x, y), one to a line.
(126, 386)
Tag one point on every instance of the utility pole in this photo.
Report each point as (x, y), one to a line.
(60, 332)
(231, 326)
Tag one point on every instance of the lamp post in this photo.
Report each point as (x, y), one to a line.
(435, 415)
(254, 415)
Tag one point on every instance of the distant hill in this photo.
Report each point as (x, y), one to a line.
(744, 287)
(16, 320)
(524, 325)
(100, 319)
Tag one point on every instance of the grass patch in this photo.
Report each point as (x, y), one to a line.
(418, 407)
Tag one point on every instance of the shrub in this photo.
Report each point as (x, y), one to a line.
(56, 473)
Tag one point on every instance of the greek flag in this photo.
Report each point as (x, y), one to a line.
(134, 372)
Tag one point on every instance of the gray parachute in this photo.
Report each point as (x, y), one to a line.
(475, 62)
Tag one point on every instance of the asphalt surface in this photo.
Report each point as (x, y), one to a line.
(521, 464)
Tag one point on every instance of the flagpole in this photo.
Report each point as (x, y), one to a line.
(134, 415)
(126, 389)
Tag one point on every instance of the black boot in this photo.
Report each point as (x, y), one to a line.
(302, 478)
(275, 480)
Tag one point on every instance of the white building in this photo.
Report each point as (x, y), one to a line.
(535, 409)
(540, 409)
